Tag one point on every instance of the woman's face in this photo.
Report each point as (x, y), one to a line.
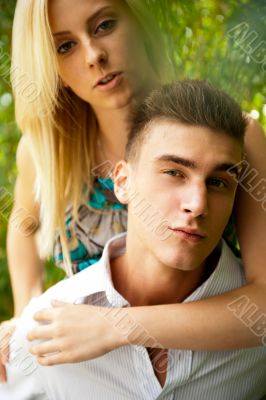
(100, 51)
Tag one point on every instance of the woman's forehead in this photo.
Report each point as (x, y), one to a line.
(66, 12)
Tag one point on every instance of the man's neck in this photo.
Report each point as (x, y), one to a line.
(144, 281)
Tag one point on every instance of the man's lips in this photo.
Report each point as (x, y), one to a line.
(188, 233)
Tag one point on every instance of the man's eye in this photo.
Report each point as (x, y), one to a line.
(107, 25)
(217, 182)
(173, 172)
(65, 47)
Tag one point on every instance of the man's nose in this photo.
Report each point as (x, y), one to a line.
(195, 200)
(95, 55)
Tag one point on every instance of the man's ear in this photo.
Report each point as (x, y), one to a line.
(121, 181)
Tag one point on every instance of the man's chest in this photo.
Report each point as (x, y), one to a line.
(159, 360)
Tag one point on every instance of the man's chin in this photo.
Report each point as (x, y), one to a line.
(181, 263)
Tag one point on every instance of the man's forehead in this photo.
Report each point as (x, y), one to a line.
(166, 136)
(194, 147)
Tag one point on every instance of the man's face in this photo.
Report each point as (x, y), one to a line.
(181, 173)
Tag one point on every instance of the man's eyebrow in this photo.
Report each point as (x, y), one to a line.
(88, 21)
(177, 160)
(231, 168)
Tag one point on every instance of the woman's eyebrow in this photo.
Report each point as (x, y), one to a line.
(88, 22)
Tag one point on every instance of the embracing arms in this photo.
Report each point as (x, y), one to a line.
(232, 320)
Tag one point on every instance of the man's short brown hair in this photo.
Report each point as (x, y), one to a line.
(192, 103)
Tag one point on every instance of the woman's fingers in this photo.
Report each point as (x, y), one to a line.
(6, 330)
(58, 303)
(47, 314)
(3, 377)
(4, 345)
(54, 359)
(44, 349)
(41, 332)
(94, 335)
(4, 352)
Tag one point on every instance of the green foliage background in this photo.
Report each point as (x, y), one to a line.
(204, 41)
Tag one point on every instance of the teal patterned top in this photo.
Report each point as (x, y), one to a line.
(99, 220)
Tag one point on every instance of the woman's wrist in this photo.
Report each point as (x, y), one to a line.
(129, 326)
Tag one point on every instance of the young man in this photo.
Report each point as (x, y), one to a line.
(179, 180)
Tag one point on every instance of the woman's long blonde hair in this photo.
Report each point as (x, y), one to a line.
(60, 128)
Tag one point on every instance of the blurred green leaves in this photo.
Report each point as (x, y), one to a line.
(201, 46)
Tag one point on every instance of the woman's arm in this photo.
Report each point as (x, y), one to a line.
(202, 325)
(235, 319)
(250, 207)
(25, 265)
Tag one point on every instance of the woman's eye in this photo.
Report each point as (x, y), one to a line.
(173, 172)
(65, 47)
(217, 182)
(107, 25)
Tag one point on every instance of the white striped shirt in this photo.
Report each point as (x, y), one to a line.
(127, 372)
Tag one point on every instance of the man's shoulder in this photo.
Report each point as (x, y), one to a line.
(227, 275)
(229, 271)
(73, 287)
(229, 259)
(69, 290)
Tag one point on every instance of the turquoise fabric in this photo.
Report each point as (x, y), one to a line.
(99, 200)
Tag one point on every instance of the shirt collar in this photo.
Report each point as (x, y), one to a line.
(114, 248)
(94, 279)
(225, 276)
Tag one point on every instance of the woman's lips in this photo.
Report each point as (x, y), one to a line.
(109, 82)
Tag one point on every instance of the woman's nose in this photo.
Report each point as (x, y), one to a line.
(95, 55)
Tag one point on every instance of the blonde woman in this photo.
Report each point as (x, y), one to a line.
(91, 61)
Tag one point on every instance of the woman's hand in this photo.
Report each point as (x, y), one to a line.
(74, 333)
(6, 330)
